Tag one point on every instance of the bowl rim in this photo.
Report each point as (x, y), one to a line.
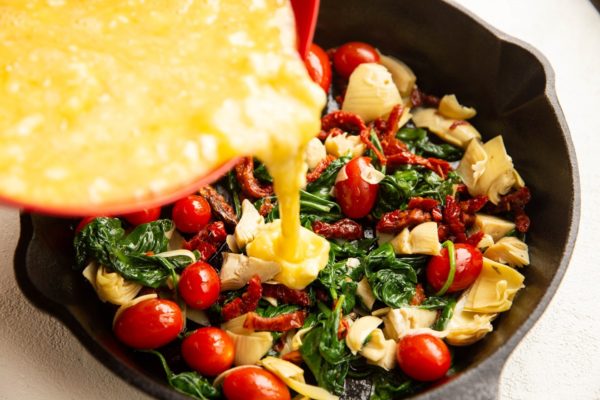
(487, 370)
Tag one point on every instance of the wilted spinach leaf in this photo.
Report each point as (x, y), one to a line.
(327, 179)
(190, 383)
(419, 143)
(104, 241)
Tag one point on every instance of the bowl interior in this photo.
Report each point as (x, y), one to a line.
(450, 53)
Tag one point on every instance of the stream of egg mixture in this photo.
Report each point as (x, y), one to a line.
(105, 102)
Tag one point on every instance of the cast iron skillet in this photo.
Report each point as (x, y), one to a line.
(451, 51)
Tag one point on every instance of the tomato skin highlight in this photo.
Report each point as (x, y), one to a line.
(191, 213)
(142, 216)
(356, 196)
(318, 66)
(469, 262)
(423, 357)
(350, 55)
(199, 285)
(209, 351)
(254, 384)
(149, 324)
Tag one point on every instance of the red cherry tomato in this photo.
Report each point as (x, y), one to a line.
(356, 196)
(254, 384)
(143, 216)
(83, 223)
(350, 55)
(318, 66)
(191, 214)
(423, 357)
(149, 324)
(469, 262)
(209, 351)
(199, 285)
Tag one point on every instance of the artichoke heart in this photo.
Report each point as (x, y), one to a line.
(371, 92)
(494, 289)
(365, 293)
(250, 348)
(450, 108)
(495, 227)
(473, 163)
(293, 376)
(315, 152)
(422, 239)
(456, 132)
(249, 224)
(109, 285)
(399, 322)
(238, 269)
(360, 331)
(404, 78)
(465, 328)
(380, 351)
(509, 250)
(345, 144)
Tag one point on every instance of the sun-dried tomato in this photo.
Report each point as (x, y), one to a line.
(396, 221)
(473, 205)
(344, 120)
(208, 240)
(220, 207)
(365, 137)
(475, 238)
(280, 323)
(514, 202)
(246, 303)
(453, 219)
(419, 296)
(294, 357)
(343, 328)
(319, 169)
(440, 167)
(443, 232)
(342, 229)
(266, 207)
(286, 295)
(423, 203)
(419, 98)
(251, 187)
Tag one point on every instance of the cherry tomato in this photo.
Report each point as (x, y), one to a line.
(149, 324)
(355, 196)
(199, 285)
(83, 223)
(143, 216)
(254, 384)
(350, 55)
(423, 357)
(318, 66)
(469, 262)
(209, 351)
(191, 214)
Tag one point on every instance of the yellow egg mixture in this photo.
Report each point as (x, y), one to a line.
(107, 102)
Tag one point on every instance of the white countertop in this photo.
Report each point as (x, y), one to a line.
(558, 359)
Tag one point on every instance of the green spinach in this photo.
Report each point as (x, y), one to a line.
(190, 383)
(419, 143)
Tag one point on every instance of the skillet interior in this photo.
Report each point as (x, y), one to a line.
(450, 52)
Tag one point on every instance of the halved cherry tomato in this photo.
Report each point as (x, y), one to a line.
(350, 55)
(142, 216)
(209, 351)
(149, 324)
(254, 384)
(199, 285)
(423, 357)
(83, 223)
(191, 213)
(469, 262)
(318, 66)
(355, 196)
